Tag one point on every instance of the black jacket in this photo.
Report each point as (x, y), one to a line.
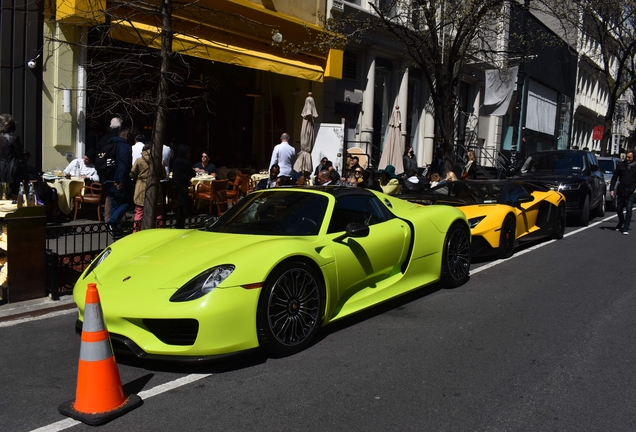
(182, 171)
(626, 175)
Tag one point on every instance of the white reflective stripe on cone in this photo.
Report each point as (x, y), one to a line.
(96, 351)
(93, 318)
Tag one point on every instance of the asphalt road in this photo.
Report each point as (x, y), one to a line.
(544, 341)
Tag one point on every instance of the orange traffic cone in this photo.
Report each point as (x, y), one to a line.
(99, 397)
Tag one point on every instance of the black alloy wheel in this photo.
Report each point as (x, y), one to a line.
(600, 210)
(585, 214)
(456, 256)
(559, 222)
(507, 238)
(290, 308)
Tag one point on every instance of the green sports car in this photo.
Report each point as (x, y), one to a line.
(271, 271)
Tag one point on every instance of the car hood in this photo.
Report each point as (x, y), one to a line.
(552, 177)
(167, 259)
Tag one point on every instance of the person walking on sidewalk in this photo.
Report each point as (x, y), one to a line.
(625, 174)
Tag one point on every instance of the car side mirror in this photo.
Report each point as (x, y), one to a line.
(524, 199)
(354, 229)
(594, 167)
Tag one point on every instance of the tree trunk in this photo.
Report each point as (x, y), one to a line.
(153, 188)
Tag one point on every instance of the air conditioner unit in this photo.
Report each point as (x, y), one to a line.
(354, 96)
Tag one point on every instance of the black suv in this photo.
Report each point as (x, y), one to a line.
(574, 173)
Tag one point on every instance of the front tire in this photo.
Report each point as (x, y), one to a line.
(290, 308)
(585, 214)
(456, 256)
(507, 238)
(559, 222)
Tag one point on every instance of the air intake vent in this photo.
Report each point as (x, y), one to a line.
(174, 331)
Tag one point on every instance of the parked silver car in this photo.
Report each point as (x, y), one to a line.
(607, 165)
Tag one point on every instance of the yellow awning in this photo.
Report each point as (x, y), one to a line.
(309, 68)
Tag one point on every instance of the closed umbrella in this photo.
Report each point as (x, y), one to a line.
(393, 150)
(303, 158)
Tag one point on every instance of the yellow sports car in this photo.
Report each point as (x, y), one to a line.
(501, 213)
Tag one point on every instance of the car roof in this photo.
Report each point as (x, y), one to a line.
(336, 191)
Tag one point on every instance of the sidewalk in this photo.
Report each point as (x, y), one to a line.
(36, 307)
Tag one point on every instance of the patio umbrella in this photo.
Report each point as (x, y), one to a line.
(393, 152)
(303, 158)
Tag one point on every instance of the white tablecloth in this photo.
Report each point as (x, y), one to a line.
(67, 190)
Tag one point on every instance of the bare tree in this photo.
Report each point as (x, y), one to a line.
(607, 41)
(440, 37)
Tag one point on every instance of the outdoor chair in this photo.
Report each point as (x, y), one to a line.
(234, 191)
(90, 194)
(247, 185)
(206, 192)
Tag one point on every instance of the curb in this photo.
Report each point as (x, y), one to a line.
(34, 308)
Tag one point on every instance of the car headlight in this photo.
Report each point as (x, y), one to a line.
(97, 261)
(203, 283)
(473, 222)
(570, 186)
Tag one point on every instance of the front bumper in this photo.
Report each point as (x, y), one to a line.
(219, 323)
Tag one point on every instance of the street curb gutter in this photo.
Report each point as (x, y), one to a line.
(34, 308)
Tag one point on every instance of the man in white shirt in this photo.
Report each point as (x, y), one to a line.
(284, 155)
(83, 168)
(138, 147)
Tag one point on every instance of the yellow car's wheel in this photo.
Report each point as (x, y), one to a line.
(507, 238)
(290, 308)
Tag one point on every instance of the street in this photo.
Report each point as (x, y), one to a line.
(542, 341)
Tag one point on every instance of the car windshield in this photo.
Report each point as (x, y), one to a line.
(554, 161)
(291, 213)
(468, 193)
(606, 166)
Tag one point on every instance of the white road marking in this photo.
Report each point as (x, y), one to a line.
(540, 245)
(162, 388)
(146, 394)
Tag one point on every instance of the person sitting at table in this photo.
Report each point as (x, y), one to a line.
(139, 173)
(270, 181)
(205, 166)
(83, 168)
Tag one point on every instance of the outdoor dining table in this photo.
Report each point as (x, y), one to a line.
(67, 190)
(202, 179)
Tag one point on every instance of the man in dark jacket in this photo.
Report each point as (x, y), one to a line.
(182, 173)
(119, 184)
(625, 173)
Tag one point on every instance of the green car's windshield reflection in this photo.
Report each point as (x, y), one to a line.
(275, 213)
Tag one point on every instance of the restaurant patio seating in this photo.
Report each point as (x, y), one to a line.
(91, 194)
(234, 192)
(247, 185)
(207, 192)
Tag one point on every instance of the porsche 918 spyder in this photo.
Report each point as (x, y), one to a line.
(501, 213)
(271, 271)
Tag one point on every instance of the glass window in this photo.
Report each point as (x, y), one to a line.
(275, 213)
(367, 210)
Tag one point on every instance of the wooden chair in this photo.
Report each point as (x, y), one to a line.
(206, 192)
(221, 201)
(247, 185)
(234, 192)
(91, 194)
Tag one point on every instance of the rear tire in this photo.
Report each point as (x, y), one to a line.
(559, 222)
(600, 210)
(290, 308)
(507, 238)
(456, 256)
